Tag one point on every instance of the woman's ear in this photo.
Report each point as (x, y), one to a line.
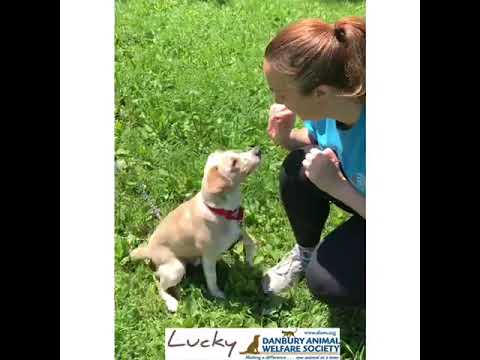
(322, 90)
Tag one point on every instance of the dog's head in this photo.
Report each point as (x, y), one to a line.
(226, 170)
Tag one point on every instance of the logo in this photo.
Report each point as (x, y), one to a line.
(252, 343)
(253, 347)
(360, 180)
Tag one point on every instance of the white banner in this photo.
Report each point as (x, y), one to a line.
(252, 343)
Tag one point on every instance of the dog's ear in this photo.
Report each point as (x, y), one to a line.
(233, 165)
(216, 182)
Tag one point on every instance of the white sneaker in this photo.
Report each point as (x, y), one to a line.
(288, 271)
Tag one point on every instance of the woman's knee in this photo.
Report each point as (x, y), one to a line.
(324, 287)
(294, 183)
(292, 173)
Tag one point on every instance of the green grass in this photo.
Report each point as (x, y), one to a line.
(188, 81)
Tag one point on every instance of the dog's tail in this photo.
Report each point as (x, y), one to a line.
(141, 252)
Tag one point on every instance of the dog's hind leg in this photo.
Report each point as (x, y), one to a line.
(169, 274)
(141, 252)
(250, 247)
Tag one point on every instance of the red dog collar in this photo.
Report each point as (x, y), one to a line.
(236, 214)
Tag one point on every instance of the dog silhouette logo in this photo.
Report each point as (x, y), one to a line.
(253, 347)
(289, 333)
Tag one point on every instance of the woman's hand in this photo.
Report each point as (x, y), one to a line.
(322, 168)
(280, 123)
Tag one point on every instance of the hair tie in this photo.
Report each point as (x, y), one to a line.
(339, 34)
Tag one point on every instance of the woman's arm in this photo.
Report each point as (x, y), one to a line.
(322, 168)
(348, 195)
(297, 138)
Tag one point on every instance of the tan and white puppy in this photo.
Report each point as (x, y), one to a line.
(204, 227)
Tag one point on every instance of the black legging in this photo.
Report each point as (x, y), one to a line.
(336, 272)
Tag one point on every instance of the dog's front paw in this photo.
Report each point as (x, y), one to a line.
(250, 255)
(218, 294)
(172, 305)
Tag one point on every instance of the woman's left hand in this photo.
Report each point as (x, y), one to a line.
(322, 168)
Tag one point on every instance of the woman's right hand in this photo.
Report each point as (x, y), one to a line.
(280, 123)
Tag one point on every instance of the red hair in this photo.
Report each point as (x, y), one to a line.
(316, 53)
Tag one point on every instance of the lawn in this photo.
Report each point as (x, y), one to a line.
(188, 81)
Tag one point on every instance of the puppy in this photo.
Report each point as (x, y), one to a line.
(204, 227)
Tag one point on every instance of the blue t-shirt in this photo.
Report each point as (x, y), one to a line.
(349, 145)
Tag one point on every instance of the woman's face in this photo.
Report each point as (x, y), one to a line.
(286, 92)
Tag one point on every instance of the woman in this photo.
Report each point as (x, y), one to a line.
(317, 71)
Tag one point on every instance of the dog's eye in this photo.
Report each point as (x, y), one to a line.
(234, 162)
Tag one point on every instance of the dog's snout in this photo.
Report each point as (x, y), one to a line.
(256, 151)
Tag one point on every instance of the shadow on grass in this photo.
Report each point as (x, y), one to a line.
(217, 2)
(241, 284)
(352, 322)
